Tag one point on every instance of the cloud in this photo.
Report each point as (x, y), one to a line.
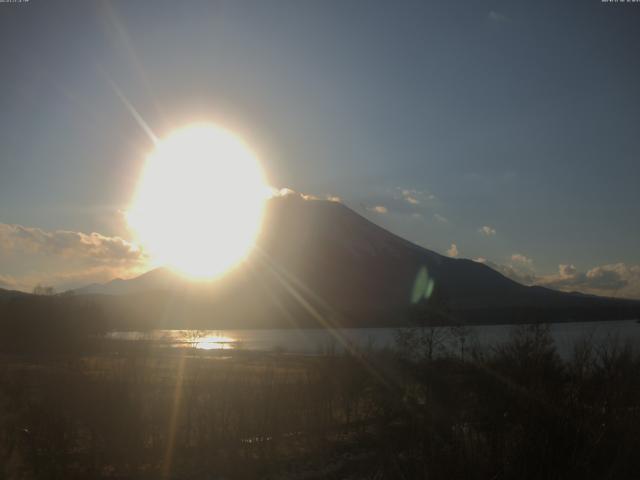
(519, 271)
(619, 279)
(68, 244)
(522, 260)
(379, 209)
(409, 196)
(612, 277)
(32, 255)
(287, 192)
(440, 218)
(283, 192)
(487, 231)
(415, 197)
(498, 17)
(327, 197)
(453, 251)
(567, 270)
(401, 201)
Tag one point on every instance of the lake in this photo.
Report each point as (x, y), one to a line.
(321, 341)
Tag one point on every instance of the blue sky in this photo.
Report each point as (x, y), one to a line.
(434, 119)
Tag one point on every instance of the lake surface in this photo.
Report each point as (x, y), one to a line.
(320, 341)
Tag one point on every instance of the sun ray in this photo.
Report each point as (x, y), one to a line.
(296, 288)
(132, 110)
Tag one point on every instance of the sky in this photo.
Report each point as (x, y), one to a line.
(505, 132)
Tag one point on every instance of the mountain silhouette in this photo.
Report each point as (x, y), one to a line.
(319, 263)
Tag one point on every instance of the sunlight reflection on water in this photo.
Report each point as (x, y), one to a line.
(215, 343)
(319, 341)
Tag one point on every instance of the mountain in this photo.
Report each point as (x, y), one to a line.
(9, 294)
(158, 279)
(318, 263)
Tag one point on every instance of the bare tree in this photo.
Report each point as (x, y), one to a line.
(44, 290)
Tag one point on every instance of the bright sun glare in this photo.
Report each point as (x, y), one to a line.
(199, 203)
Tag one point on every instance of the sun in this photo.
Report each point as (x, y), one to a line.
(199, 203)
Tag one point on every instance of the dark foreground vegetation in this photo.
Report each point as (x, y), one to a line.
(134, 410)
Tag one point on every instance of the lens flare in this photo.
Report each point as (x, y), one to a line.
(422, 286)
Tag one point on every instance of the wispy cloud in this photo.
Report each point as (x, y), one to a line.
(379, 209)
(410, 196)
(402, 201)
(416, 197)
(521, 259)
(518, 268)
(498, 17)
(286, 192)
(440, 218)
(487, 231)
